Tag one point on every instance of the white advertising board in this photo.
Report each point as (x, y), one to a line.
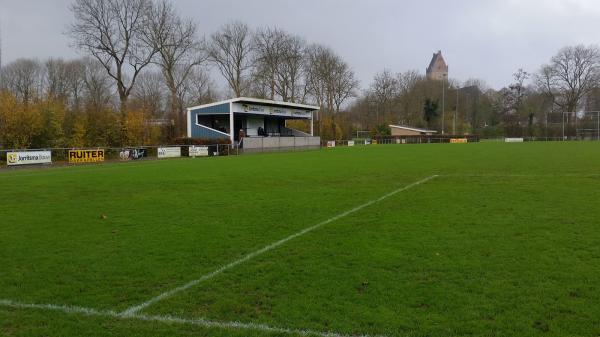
(350, 143)
(198, 151)
(169, 152)
(513, 140)
(28, 157)
(331, 143)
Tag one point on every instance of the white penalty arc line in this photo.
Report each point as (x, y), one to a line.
(134, 309)
(74, 310)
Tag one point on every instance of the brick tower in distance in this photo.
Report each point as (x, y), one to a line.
(438, 69)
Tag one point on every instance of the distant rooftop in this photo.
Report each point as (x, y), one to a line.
(411, 128)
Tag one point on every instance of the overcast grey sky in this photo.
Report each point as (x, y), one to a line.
(486, 39)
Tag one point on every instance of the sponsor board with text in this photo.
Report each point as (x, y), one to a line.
(198, 151)
(169, 152)
(86, 156)
(458, 140)
(133, 154)
(28, 158)
(513, 140)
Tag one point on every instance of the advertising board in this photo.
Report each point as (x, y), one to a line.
(86, 156)
(198, 151)
(28, 158)
(133, 154)
(169, 152)
(513, 140)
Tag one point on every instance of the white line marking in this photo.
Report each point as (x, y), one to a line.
(493, 175)
(175, 320)
(137, 308)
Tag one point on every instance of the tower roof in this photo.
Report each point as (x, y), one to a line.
(437, 57)
(438, 69)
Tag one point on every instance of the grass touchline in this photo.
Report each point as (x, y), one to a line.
(178, 320)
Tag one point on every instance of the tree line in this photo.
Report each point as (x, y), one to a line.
(535, 104)
(144, 64)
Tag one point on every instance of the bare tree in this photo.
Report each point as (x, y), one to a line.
(179, 51)
(344, 83)
(268, 46)
(318, 64)
(230, 50)
(384, 89)
(517, 91)
(76, 82)
(57, 82)
(571, 75)
(290, 69)
(408, 80)
(150, 93)
(279, 61)
(199, 88)
(330, 79)
(97, 86)
(24, 78)
(115, 33)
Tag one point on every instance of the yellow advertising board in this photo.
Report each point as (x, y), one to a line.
(458, 140)
(86, 156)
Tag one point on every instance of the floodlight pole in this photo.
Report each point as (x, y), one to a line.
(455, 113)
(546, 125)
(443, 101)
(563, 126)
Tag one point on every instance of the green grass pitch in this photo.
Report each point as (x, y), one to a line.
(503, 240)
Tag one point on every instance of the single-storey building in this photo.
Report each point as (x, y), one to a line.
(251, 121)
(401, 130)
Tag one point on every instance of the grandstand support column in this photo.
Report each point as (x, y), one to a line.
(312, 125)
(231, 131)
